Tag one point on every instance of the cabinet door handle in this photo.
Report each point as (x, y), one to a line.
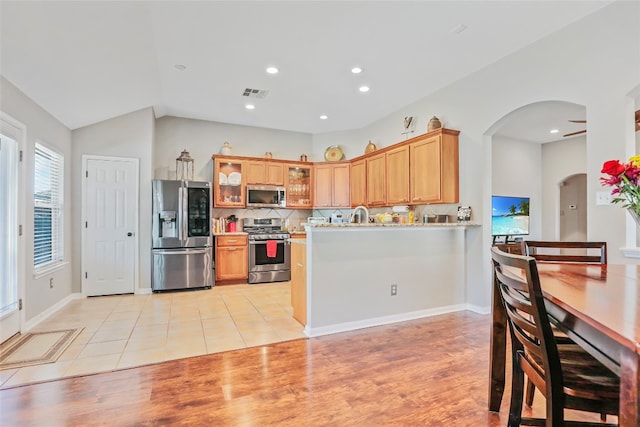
(231, 249)
(299, 265)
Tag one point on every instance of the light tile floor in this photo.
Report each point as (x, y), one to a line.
(132, 330)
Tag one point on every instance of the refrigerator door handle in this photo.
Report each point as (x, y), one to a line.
(181, 217)
(185, 213)
(181, 251)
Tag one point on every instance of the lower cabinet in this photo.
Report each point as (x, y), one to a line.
(299, 280)
(232, 257)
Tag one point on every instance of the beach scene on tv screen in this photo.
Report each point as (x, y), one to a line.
(510, 216)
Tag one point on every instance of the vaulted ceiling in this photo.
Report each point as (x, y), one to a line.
(87, 61)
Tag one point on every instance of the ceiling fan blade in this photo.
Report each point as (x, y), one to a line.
(577, 121)
(575, 133)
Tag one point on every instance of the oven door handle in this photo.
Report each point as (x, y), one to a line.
(264, 242)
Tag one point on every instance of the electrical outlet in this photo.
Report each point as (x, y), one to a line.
(51, 283)
(394, 290)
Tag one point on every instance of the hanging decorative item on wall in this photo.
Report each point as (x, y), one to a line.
(408, 121)
(184, 166)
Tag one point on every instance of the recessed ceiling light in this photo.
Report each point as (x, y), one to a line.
(554, 131)
(272, 70)
(180, 67)
(249, 106)
(363, 88)
(356, 70)
(324, 117)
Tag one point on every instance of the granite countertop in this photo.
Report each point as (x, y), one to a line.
(234, 233)
(397, 225)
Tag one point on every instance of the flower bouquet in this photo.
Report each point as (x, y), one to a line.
(623, 177)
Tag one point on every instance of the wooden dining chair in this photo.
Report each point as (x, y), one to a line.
(573, 252)
(580, 252)
(567, 376)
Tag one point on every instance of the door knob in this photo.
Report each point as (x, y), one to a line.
(129, 234)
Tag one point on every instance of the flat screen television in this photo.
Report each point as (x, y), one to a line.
(510, 216)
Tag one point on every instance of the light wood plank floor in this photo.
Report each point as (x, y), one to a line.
(426, 372)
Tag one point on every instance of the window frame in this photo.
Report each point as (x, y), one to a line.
(50, 179)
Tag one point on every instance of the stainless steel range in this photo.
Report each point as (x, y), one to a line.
(269, 250)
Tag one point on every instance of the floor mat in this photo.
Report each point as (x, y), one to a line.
(35, 348)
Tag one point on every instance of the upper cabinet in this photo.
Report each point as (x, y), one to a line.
(299, 184)
(377, 180)
(331, 185)
(422, 170)
(398, 176)
(228, 182)
(358, 178)
(264, 172)
(434, 168)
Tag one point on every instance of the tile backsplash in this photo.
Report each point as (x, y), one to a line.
(297, 217)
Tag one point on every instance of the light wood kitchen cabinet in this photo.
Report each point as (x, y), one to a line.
(299, 184)
(398, 176)
(376, 180)
(299, 282)
(434, 168)
(228, 182)
(358, 181)
(232, 262)
(264, 172)
(331, 188)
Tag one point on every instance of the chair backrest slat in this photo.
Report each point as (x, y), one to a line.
(579, 252)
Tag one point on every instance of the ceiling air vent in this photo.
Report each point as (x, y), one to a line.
(255, 93)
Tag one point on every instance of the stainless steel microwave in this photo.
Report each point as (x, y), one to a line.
(266, 196)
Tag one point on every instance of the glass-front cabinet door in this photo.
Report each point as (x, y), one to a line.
(299, 185)
(228, 180)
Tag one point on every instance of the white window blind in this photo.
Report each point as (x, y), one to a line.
(48, 207)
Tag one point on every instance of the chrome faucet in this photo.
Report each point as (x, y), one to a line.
(356, 214)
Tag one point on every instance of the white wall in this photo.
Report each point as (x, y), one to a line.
(516, 172)
(43, 127)
(203, 139)
(130, 135)
(560, 159)
(350, 272)
(594, 62)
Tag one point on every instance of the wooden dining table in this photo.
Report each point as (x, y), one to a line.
(598, 306)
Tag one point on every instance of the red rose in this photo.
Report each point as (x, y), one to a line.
(612, 167)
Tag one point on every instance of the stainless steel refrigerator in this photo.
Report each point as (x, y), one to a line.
(181, 235)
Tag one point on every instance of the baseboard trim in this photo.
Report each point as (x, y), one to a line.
(30, 324)
(478, 309)
(379, 321)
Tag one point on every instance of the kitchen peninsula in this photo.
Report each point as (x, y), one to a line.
(352, 268)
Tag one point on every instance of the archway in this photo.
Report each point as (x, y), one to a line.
(572, 212)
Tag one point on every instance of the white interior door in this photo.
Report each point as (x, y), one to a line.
(110, 206)
(10, 248)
